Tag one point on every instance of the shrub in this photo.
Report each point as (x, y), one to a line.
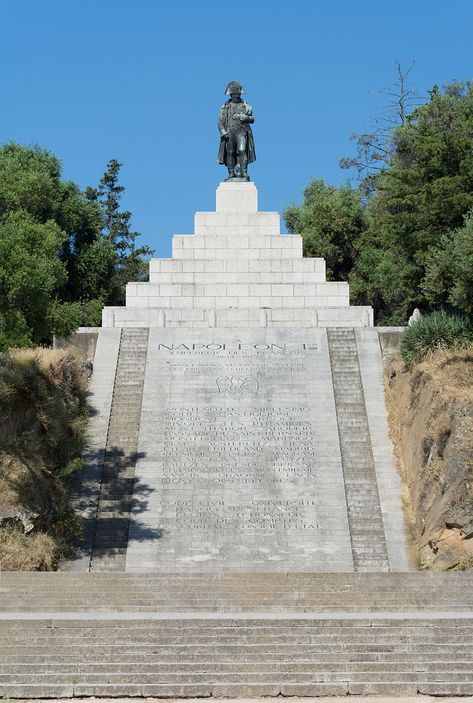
(439, 330)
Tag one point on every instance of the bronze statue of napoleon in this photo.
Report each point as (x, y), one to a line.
(237, 148)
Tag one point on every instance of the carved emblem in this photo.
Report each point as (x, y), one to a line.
(235, 387)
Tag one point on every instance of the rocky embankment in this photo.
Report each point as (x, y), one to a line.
(431, 419)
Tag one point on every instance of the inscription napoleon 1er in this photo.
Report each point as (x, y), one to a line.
(245, 438)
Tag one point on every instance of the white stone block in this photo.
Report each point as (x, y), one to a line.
(289, 254)
(293, 302)
(193, 266)
(185, 254)
(354, 313)
(211, 266)
(304, 264)
(238, 289)
(238, 218)
(315, 301)
(281, 242)
(216, 290)
(170, 265)
(282, 289)
(170, 289)
(210, 219)
(312, 277)
(249, 302)
(243, 277)
(158, 301)
(278, 266)
(294, 277)
(182, 302)
(226, 302)
(234, 315)
(192, 289)
(281, 315)
(329, 314)
(132, 301)
(271, 254)
(260, 266)
(273, 301)
(160, 277)
(180, 277)
(271, 277)
(173, 315)
(326, 288)
(207, 254)
(260, 289)
(305, 289)
(147, 289)
(207, 302)
(336, 301)
(238, 265)
(237, 197)
(258, 242)
(192, 314)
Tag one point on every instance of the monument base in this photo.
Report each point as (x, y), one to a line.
(237, 270)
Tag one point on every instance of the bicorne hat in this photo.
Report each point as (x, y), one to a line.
(234, 87)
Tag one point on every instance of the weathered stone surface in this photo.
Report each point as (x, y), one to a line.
(238, 455)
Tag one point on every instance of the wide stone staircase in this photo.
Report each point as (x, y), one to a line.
(235, 635)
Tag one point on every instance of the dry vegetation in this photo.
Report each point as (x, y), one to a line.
(431, 418)
(43, 426)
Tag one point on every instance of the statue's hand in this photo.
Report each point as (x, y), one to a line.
(242, 117)
(224, 136)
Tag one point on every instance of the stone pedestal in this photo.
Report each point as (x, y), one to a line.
(237, 270)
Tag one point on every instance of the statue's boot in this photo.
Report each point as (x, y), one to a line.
(231, 174)
(244, 174)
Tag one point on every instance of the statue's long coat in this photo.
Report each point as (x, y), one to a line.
(223, 127)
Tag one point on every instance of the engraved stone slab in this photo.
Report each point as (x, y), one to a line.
(238, 456)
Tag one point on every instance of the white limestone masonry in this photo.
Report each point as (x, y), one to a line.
(237, 270)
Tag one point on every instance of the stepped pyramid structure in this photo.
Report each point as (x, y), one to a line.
(237, 270)
(243, 530)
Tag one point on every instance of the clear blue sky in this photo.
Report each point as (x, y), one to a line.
(142, 81)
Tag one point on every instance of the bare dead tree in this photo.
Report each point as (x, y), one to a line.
(374, 148)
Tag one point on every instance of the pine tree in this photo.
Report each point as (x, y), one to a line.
(116, 230)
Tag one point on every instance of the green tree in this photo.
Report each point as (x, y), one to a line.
(423, 193)
(31, 273)
(64, 254)
(330, 220)
(130, 264)
(449, 270)
(43, 220)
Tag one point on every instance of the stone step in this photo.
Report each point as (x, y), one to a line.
(320, 592)
(246, 657)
